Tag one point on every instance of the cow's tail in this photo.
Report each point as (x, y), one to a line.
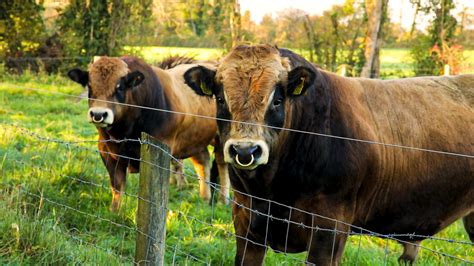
(468, 221)
(214, 181)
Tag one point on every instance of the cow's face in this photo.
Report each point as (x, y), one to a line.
(253, 85)
(108, 81)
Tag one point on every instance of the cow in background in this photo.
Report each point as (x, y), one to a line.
(354, 184)
(112, 82)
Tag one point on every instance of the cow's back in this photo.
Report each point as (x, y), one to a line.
(195, 126)
(434, 113)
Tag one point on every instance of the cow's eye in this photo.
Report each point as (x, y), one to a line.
(277, 102)
(220, 100)
(118, 87)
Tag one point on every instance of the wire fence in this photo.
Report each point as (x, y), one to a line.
(77, 149)
(33, 165)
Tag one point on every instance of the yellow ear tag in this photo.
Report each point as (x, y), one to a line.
(299, 88)
(205, 89)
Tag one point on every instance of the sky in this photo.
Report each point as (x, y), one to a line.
(258, 8)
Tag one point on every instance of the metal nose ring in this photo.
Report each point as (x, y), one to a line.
(244, 165)
(97, 121)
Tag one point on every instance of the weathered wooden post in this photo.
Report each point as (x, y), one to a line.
(152, 202)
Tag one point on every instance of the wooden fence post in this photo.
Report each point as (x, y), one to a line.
(152, 202)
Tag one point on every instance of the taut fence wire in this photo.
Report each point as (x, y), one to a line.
(394, 145)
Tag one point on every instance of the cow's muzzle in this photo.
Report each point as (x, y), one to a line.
(100, 117)
(246, 154)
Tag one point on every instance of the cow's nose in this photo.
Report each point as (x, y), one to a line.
(245, 153)
(98, 116)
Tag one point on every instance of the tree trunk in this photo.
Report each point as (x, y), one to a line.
(310, 35)
(334, 47)
(413, 24)
(353, 47)
(235, 22)
(375, 12)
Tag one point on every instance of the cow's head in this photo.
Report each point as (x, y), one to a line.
(253, 85)
(108, 81)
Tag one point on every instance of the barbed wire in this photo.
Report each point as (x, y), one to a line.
(288, 221)
(449, 153)
(215, 185)
(317, 228)
(120, 225)
(46, 58)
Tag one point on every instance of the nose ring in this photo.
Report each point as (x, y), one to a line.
(97, 121)
(244, 165)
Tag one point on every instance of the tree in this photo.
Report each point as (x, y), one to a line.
(266, 31)
(432, 51)
(21, 31)
(334, 39)
(376, 13)
(235, 22)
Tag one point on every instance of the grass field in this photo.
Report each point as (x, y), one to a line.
(54, 196)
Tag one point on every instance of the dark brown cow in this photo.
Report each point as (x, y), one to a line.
(131, 81)
(384, 189)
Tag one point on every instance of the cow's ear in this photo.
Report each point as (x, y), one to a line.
(134, 79)
(299, 80)
(201, 80)
(79, 76)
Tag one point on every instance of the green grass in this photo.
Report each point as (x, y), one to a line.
(155, 53)
(54, 197)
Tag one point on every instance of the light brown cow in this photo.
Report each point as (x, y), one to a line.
(354, 184)
(112, 82)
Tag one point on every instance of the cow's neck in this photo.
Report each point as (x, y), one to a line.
(312, 162)
(155, 122)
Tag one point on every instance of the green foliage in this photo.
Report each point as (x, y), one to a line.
(432, 51)
(86, 28)
(425, 63)
(103, 27)
(196, 23)
(21, 33)
(338, 37)
(22, 27)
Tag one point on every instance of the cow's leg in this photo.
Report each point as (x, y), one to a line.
(250, 251)
(117, 169)
(133, 167)
(223, 174)
(327, 246)
(224, 183)
(177, 175)
(468, 221)
(203, 169)
(410, 251)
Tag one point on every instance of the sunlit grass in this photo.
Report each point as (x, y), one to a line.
(154, 54)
